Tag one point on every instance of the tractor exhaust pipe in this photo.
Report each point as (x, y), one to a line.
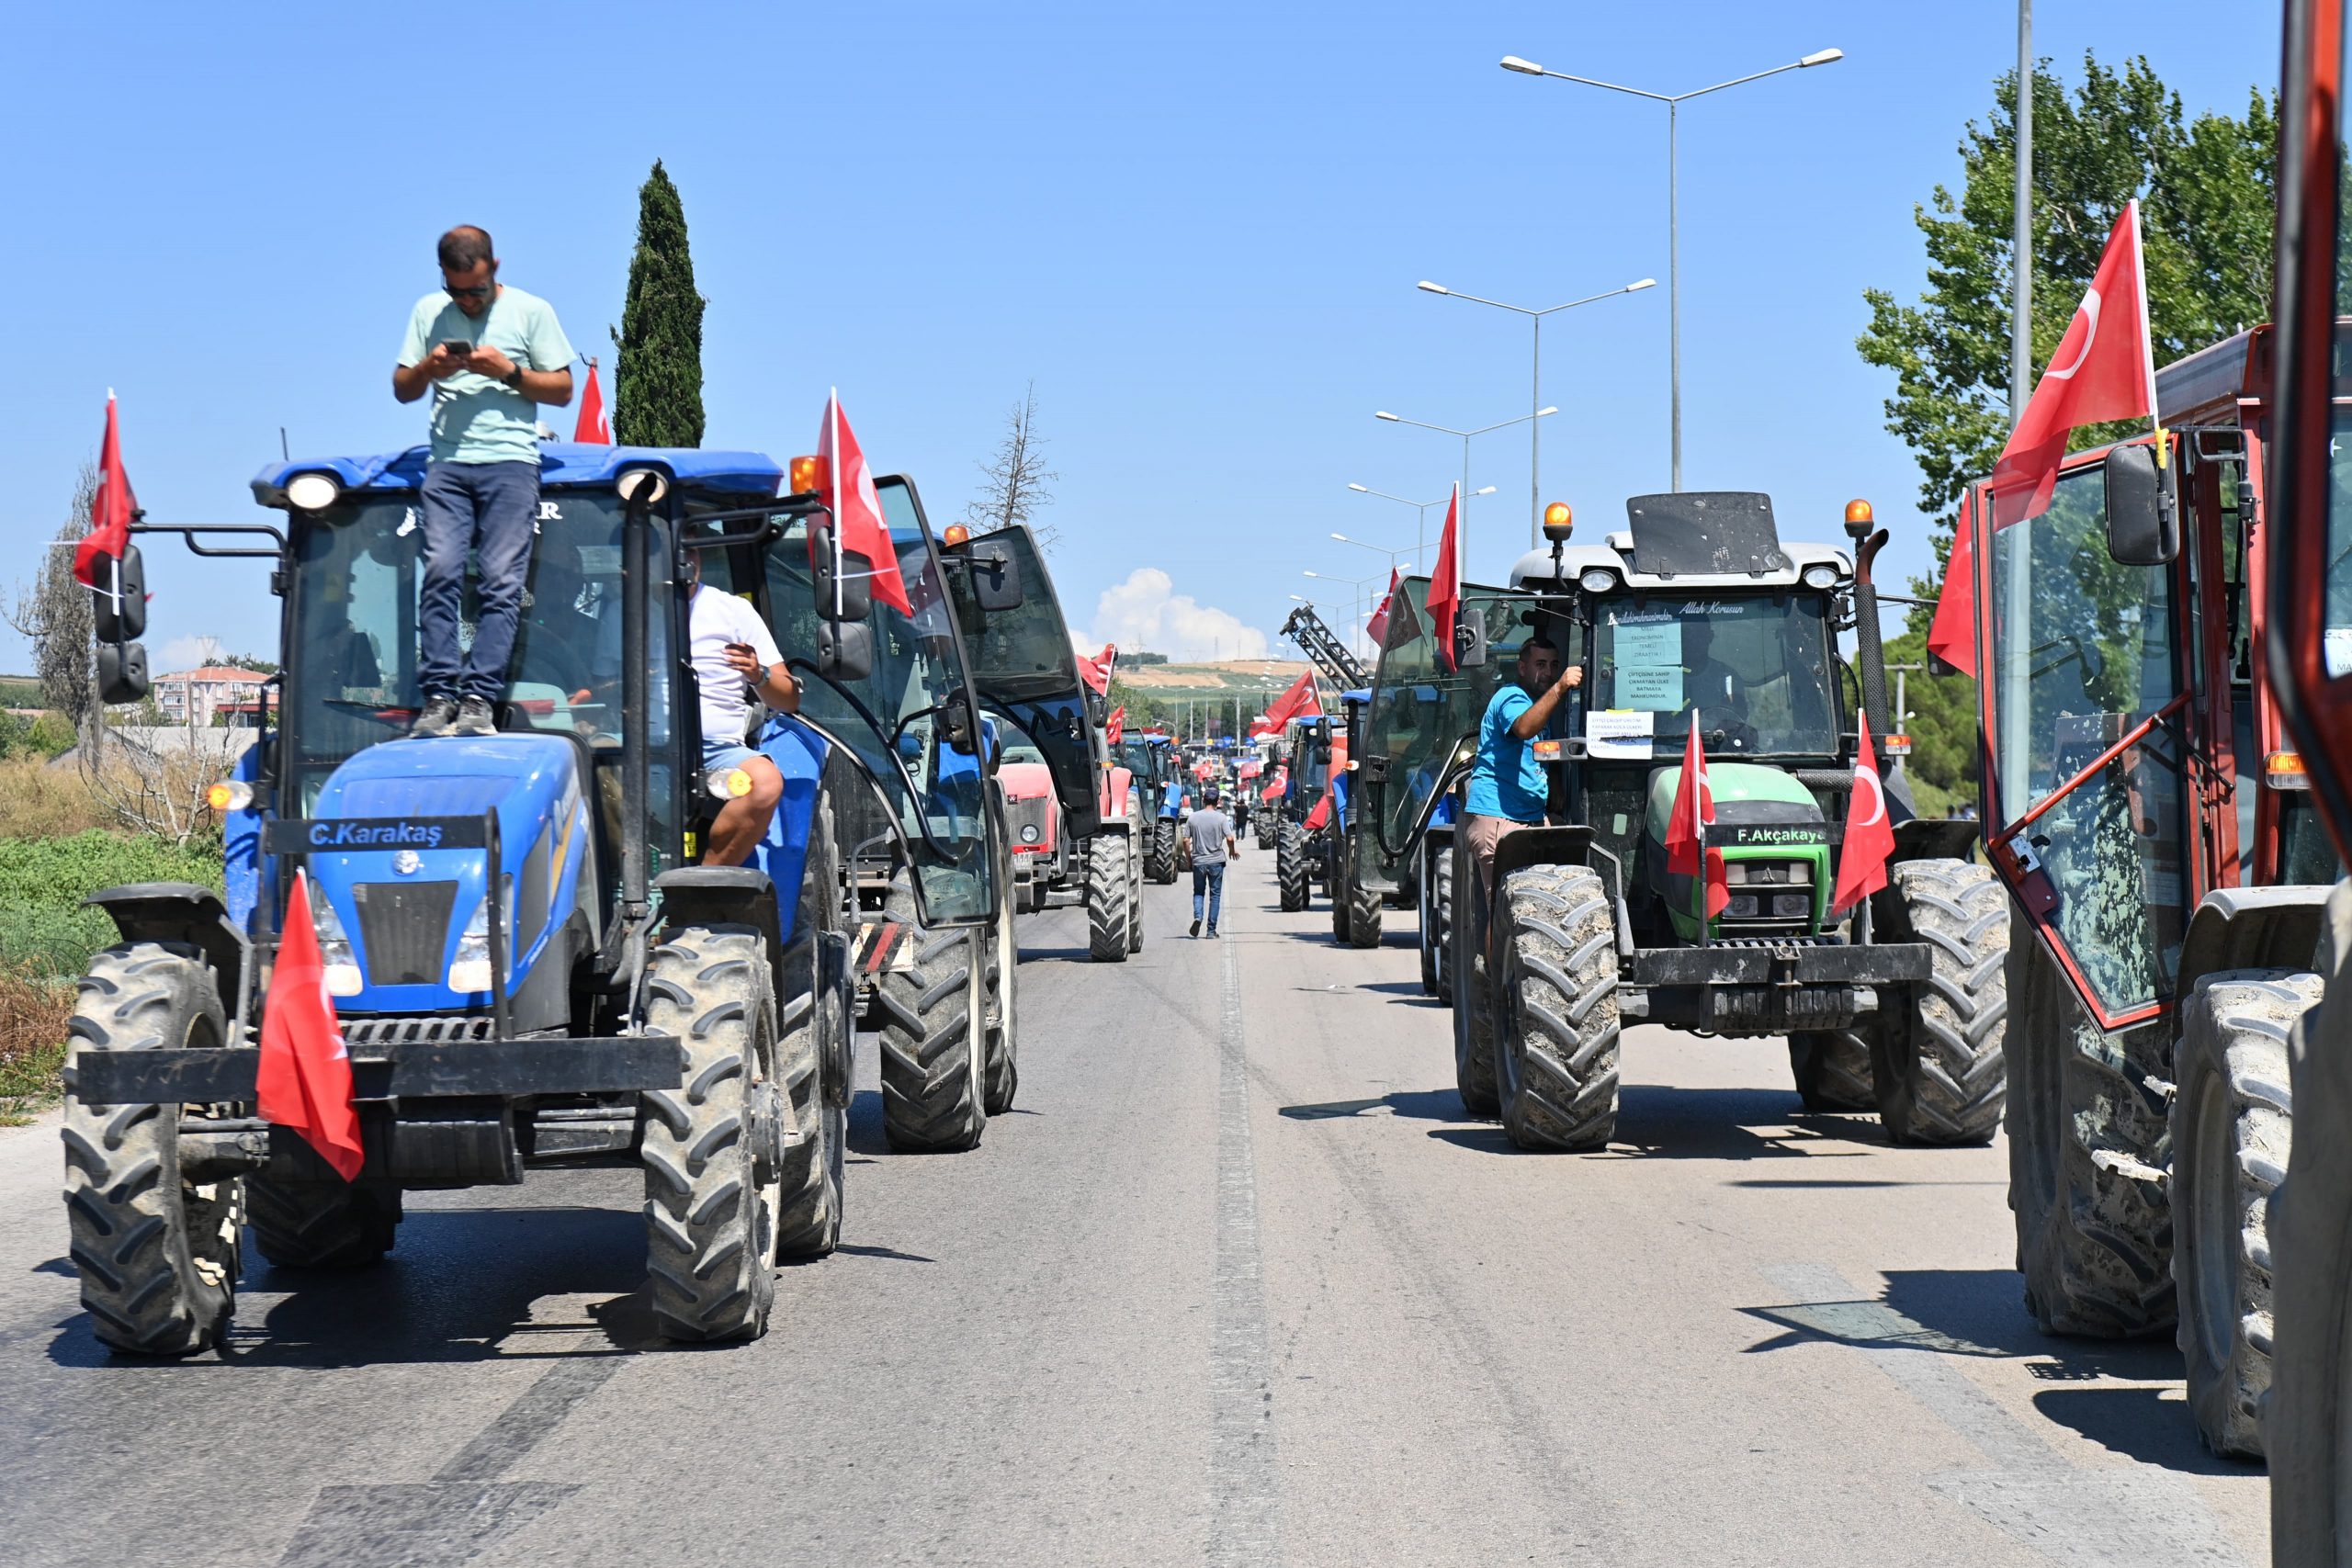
(637, 777)
(1870, 654)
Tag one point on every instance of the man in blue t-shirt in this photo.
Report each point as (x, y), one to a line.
(1507, 784)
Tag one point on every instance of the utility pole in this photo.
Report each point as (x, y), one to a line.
(2015, 672)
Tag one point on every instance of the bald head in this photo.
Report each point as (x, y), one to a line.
(464, 248)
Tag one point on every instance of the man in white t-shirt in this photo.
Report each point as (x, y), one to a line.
(735, 655)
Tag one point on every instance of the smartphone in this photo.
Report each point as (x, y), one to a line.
(458, 347)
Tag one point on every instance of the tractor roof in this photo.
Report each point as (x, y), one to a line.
(561, 463)
(1711, 539)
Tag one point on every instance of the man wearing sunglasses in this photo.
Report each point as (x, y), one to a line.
(489, 354)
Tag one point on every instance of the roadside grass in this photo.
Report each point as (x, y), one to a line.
(33, 1010)
(38, 801)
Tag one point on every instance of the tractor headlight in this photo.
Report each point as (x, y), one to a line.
(469, 970)
(311, 492)
(1597, 579)
(229, 794)
(1029, 834)
(342, 976)
(1821, 575)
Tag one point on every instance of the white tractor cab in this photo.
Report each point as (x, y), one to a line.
(1697, 612)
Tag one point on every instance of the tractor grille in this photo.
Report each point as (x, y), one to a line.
(404, 925)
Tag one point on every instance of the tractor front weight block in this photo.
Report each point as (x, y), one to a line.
(396, 1070)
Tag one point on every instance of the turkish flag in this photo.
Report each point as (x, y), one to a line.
(111, 512)
(857, 509)
(1300, 699)
(1096, 672)
(1445, 581)
(593, 429)
(1951, 635)
(1117, 724)
(1276, 786)
(1377, 627)
(1687, 852)
(1870, 835)
(303, 1079)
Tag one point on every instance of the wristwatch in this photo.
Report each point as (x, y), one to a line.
(513, 378)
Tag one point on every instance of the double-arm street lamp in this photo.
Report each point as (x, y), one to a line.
(1421, 522)
(1535, 394)
(1673, 102)
(1461, 532)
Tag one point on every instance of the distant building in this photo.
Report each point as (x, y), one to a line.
(193, 697)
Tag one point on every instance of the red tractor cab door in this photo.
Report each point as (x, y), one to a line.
(1022, 664)
(2087, 668)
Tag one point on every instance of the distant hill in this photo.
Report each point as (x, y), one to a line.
(1230, 677)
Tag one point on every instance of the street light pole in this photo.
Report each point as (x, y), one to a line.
(1673, 102)
(1535, 432)
(1462, 533)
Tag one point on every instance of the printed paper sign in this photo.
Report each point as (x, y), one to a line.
(1655, 688)
(1620, 734)
(1649, 665)
(2336, 651)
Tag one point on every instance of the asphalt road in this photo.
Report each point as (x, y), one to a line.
(1235, 1284)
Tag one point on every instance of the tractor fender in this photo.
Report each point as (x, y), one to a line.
(179, 912)
(1934, 838)
(1549, 845)
(2252, 928)
(1117, 783)
(732, 895)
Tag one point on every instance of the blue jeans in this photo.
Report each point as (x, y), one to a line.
(484, 508)
(1211, 879)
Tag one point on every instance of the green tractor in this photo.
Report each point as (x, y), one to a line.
(1696, 613)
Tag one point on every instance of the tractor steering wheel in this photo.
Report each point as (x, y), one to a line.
(1722, 730)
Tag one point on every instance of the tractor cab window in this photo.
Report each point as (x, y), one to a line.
(1754, 670)
(2338, 650)
(1421, 710)
(358, 576)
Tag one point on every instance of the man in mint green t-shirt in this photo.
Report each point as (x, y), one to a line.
(489, 355)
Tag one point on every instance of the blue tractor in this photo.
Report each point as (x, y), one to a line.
(1304, 835)
(1156, 760)
(528, 965)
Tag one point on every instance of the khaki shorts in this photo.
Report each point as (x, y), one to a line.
(1485, 833)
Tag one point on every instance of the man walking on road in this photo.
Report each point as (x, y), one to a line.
(489, 354)
(1210, 832)
(1507, 784)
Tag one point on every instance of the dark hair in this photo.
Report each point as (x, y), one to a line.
(1538, 641)
(464, 248)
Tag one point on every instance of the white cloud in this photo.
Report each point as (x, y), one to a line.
(1147, 612)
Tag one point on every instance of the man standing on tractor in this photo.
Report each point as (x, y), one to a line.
(1211, 832)
(735, 655)
(1507, 784)
(489, 355)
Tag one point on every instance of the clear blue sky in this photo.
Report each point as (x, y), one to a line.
(1197, 229)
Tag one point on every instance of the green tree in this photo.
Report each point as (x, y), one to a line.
(657, 382)
(2206, 199)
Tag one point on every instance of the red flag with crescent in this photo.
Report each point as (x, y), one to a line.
(857, 507)
(1870, 835)
(1116, 725)
(1445, 600)
(302, 1080)
(111, 512)
(1687, 852)
(593, 428)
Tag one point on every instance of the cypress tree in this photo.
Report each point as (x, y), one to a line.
(657, 383)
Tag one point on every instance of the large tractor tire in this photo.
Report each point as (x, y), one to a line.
(1110, 897)
(157, 1255)
(320, 1225)
(2089, 1140)
(816, 1025)
(1363, 904)
(1339, 902)
(1832, 1069)
(1134, 893)
(1438, 877)
(1937, 1067)
(1160, 860)
(1473, 1007)
(1290, 866)
(712, 1146)
(935, 1098)
(2231, 1125)
(2307, 1424)
(1000, 1069)
(1556, 1032)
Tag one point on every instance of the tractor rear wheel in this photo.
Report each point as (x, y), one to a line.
(1363, 904)
(934, 1098)
(1442, 958)
(1159, 861)
(1937, 1066)
(814, 1056)
(1290, 866)
(2232, 1122)
(1557, 1035)
(157, 1255)
(1001, 1069)
(1135, 890)
(2089, 1140)
(320, 1225)
(711, 1145)
(1473, 1023)
(1832, 1067)
(1110, 897)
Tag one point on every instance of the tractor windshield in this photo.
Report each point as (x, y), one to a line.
(351, 675)
(1754, 668)
(896, 720)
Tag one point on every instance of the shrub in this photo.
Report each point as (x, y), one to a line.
(32, 1042)
(44, 930)
(38, 801)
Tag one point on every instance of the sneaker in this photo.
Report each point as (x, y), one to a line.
(474, 717)
(1212, 933)
(1196, 928)
(439, 714)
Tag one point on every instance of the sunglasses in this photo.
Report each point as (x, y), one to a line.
(482, 292)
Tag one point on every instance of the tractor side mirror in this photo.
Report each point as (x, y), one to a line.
(996, 575)
(1470, 642)
(121, 617)
(2143, 527)
(845, 650)
(854, 572)
(955, 724)
(122, 672)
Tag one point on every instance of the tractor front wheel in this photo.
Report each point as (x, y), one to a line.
(1555, 1039)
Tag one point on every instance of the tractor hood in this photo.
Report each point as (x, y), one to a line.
(1746, 794)
(409, 925)
(1775, 846)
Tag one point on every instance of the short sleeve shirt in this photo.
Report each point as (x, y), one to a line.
(713, 620)
(475, 419)
(1505, 779)
(1209, 828)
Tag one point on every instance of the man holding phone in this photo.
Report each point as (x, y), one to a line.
(734, 656)
(489, 354)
